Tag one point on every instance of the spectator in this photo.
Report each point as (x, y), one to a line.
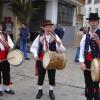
(24, 35)
(59, 31)
(8, 27)
(78, 38)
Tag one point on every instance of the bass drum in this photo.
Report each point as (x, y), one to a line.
(95, 70)
(54, 60)
(15, 57)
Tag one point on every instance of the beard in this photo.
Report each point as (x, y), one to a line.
(93, 27)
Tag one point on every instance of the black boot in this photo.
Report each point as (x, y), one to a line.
(51, 95)
(1, 93)
(98, 98)
(89, 98)
(39, 95)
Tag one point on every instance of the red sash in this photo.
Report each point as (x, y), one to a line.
(3, 55)
(41, 56)
(89, 56)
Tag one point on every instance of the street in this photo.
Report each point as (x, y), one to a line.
(69, 81)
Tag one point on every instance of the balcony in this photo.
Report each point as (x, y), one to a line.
(81, 1)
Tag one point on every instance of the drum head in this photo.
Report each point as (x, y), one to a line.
(15, 57)
(46, 59)
(95, 70)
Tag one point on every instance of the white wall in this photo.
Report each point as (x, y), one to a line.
(7, 12)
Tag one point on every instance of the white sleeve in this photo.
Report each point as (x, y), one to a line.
(82, 47)
(60, 47)
(10, 42)
(35, 46)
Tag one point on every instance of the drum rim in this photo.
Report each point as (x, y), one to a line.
(22, 57)
(47, 54)
(97, 70)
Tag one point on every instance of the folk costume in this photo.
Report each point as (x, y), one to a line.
(88, 51)
(5, 45)
(40, 45)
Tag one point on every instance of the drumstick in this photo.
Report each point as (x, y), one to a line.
(88, 69)
(6, 59)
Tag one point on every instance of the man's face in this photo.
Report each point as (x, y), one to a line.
(93, 23)
(23, 25)
(48, 28)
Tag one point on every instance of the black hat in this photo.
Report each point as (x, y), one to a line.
(1, 23)
(93, 16)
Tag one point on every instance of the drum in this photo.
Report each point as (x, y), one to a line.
(95, 70)
(15, 57)
(54, 60)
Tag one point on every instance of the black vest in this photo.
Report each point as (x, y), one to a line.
(94, 47)
(52, 46)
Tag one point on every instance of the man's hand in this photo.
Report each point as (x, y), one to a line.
(95, 37)
(83, 66)
(36, 58)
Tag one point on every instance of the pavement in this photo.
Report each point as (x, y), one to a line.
(69, 81)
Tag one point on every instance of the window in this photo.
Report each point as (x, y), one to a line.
(89, 1)
(65, 13)
(96, 1)
(96, 10)
(90, 9)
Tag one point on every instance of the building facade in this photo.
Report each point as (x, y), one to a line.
(68, 13)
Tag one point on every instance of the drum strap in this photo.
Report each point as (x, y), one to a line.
(46, 43)
(4, 42)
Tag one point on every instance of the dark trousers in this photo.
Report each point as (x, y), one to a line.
(5, 71)
(77, 54)
(42, 72)
(23, 47)
(91, 88)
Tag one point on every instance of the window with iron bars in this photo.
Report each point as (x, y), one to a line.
(65, 13)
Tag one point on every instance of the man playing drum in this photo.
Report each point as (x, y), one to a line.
(5, 45)
(89, 49)
(41, 44)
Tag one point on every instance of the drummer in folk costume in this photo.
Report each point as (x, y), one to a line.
(5, 45)
(41, 44)
(89, 49)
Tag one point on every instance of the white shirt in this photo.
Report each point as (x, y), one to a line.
(35, 45)
(11, 44)
(82, 47)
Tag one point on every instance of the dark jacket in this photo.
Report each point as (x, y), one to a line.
(59, 32)
(24, 32)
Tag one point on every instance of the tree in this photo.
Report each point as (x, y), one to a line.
(22, 9)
